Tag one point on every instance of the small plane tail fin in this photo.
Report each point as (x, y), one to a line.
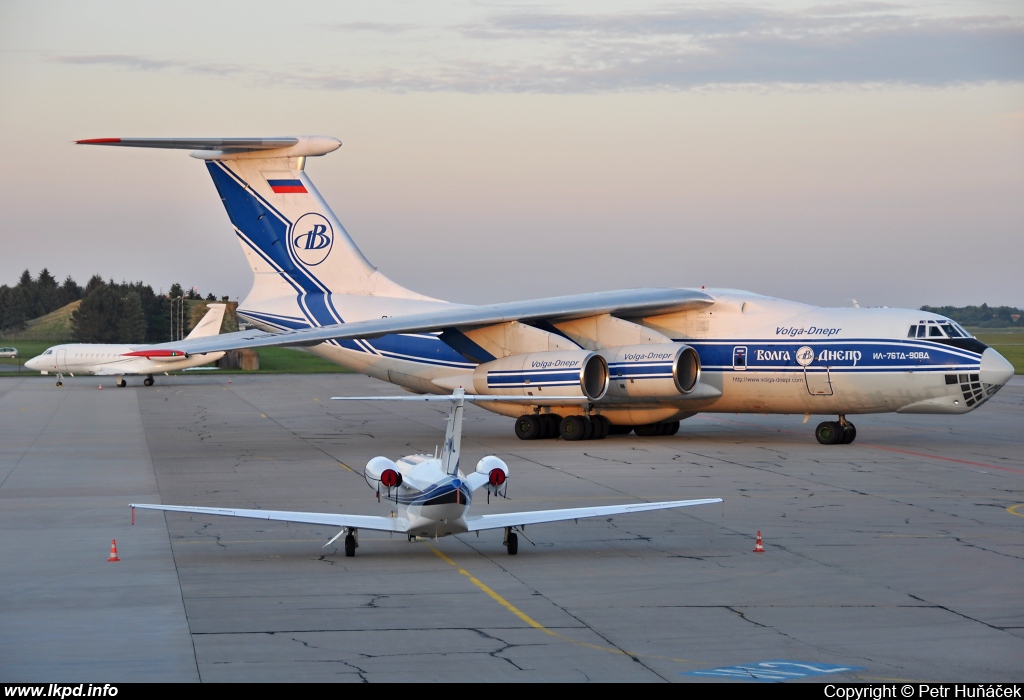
(210, 323)
(292, 240)
(453, 433)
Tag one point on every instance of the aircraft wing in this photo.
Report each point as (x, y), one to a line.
(490, 522)
(362, 522)
(628, 303)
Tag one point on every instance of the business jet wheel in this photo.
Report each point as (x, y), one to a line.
(849, 433)
(60, 383)
(122, 383)
(829, 432)
(148, 381)
(512, 543)
(350, 545)
(528, 427)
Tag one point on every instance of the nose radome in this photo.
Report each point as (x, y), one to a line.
(995, 369)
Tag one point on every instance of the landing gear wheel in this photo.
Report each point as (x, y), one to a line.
(620, 429)
(601, 427)
(549, 423)
(647, 430)
(148, 381)
(849, 433)
(829, 432)
(588, 428)
(671, 428)
(122, 383)
(572, 428)
(512, 543)
(350, 545)
(528, 427)
(60, 383)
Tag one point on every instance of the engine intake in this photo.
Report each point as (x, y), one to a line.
(562, 373)
(661, 370)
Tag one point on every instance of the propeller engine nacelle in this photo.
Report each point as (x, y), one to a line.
(497, 474)
(381, 471)
(663, 371)
(560, 373)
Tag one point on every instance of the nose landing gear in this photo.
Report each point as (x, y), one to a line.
(840, 432)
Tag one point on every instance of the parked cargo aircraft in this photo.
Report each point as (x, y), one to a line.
(432, 495)
(121, 360)
(644, 358)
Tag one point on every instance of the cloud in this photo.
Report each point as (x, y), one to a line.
(676, 49)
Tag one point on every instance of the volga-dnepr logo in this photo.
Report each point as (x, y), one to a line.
(311, 239)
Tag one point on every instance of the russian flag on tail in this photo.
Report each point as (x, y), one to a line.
(287, 186)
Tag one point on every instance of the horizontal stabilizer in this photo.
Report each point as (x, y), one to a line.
(226, 148)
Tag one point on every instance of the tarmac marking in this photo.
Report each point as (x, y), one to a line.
(946, 459)
(536, 625)
(1013, 510)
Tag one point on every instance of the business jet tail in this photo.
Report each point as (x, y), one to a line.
(210, 323)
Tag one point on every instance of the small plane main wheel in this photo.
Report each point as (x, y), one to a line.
(572, 428)
(601, 427)
(849, 433)
(647, 430)
(350, 545)
(60, 383)
(528, 427)
(122, 384)
(148, 381)
(512, 543)
(829, 432)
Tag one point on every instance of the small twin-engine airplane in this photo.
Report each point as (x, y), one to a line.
(431, 494)
(120, 360)
(643, 359)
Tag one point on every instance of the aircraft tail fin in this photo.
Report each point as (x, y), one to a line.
(210, 323)
(292, 240)
(453, 433)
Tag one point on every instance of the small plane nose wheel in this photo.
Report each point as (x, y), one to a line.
(148, 381)
(511, 541)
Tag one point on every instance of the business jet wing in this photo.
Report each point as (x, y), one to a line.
(362, 522)
(498, 520)
(627, 303)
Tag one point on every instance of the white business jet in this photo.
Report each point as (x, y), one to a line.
(432, 495)
(643, 359)
(120, 360)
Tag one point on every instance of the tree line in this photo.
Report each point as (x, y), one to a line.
(983, 316)
(110, 312)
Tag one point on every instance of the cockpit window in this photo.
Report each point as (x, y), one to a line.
(912, 333)
(921, 330)
(950, 331)
(934, 332)
(49, 352)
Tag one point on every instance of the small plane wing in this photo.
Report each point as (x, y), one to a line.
(490, 522)
(628, 302)
(362, 522)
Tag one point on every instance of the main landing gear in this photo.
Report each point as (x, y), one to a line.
(148, 381)
(351, 542)
(511, 541)
(121, 383)
(60, 379)
(595, 427)
(836, 432)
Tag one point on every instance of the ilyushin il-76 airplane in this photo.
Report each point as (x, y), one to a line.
(643, 358)
(431, 494)
(120, 360)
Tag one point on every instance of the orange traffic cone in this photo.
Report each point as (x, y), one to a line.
(759, 547)
(101, 387)
(113, 551)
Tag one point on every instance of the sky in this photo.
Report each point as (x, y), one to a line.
(494, 151)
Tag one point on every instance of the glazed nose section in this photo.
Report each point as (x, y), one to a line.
(995, 369)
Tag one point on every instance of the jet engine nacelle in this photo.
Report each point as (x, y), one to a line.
(381, 471)
(663, 370)
(496, 471)
(560, 373)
